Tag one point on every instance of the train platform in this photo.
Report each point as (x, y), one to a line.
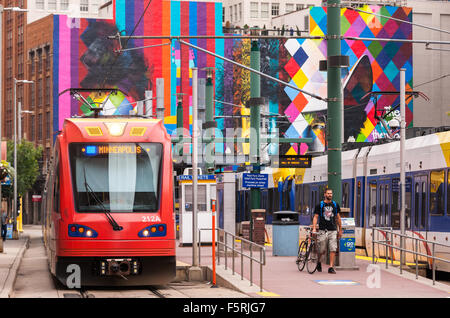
(282, 279)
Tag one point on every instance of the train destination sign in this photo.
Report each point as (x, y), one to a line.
(93, 150)
(255, 180)
(292, 161)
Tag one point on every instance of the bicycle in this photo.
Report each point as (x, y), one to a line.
(308, 253)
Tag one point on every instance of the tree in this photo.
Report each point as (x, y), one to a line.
(27, 163)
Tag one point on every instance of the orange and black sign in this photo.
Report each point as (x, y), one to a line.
(292, 161)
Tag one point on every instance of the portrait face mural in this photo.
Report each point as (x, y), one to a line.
(84, 57)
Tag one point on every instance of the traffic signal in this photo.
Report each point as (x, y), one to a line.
(18, 206)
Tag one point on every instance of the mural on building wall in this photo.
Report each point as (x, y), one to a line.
(374, 66)
(84, 57)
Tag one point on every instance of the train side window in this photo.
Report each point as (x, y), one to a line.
(305, 202)
(56, 207)
(448, 192)
(345, 195)
(298, 197)
(408, 203)
(395, 206)
(380, 205)
(372, 203)
(424, 205)
(386, 205)
(358, 205)
(437, 199)
(416, 205)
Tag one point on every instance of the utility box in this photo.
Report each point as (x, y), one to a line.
(346, 259)
(258, 226)
(285, 230)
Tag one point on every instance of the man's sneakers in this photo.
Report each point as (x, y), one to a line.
(331, 271)
(319, 267)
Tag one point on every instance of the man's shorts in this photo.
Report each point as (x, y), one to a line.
(327, 238)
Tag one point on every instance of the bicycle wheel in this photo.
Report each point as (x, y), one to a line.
(313, 258)
(301, 256)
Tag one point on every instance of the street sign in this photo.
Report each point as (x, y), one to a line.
(255, 180)
(292, 161)
(36, 198)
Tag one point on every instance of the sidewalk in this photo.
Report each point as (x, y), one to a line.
(281, 278)
(13, 251)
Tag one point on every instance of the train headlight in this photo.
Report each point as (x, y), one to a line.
(156, 230)
(116, 129)
(77, 230)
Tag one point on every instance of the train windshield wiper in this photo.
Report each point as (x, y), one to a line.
(115, 226)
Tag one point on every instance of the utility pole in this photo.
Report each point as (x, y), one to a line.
(402, 164)
(209, 124)
(255, 119)
(335, 102)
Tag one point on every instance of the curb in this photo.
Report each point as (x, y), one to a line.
(12, 274)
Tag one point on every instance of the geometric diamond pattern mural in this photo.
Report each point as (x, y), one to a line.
(374, 66)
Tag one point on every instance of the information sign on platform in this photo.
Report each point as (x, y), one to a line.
(292, 161)
(255, 180)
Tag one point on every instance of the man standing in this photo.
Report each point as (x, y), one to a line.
(4, 221)
(326, 214)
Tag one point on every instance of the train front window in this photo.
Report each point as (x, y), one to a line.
(117, 177)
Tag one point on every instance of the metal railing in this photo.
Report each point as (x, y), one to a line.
(228, 245)
(389, 244)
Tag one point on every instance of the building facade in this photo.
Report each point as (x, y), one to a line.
(259, 13)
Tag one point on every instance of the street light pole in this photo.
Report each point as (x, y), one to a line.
(15, 232)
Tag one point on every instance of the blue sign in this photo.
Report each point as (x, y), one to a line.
(186, 177)
(255, 180)
(347, 245)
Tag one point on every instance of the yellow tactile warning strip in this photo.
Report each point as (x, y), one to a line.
(268, 294)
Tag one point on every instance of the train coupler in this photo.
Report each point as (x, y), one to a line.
(119, 267)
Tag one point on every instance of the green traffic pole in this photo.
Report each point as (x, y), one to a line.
(210, 124)
(335, 103)
(255, 118)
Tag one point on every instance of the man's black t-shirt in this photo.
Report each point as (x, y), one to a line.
(328, 219)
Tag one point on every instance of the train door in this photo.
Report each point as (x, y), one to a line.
(315, 198)
(420, 208)
(383, 206)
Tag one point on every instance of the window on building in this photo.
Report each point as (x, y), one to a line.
(47, 58)
(40, 4)
(289, 7)
(64, 5)
(47, 90)
(51, 5)
(32, 128)
(275, 9)
(264, 10)
(32, 63)
(299, 6)
(40, 127)
(254, 10)
(223, 14)
(235, 12)
(39, 93)
(48, 126)
(84, 5)
(231, 13)
(240, 11)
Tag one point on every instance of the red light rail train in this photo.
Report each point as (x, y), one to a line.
(108, 203)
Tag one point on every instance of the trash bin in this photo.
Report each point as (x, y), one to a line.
(257, 226)
(346, 259)
(285, 228)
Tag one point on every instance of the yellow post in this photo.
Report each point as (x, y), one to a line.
(19, 217)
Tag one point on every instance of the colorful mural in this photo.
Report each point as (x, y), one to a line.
(374, 66)
(84, 57)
